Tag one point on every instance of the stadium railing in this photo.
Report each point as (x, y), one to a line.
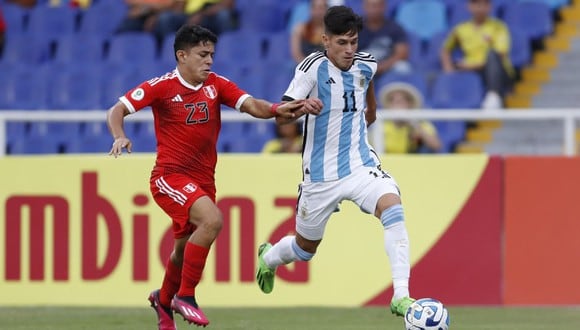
(567, 116)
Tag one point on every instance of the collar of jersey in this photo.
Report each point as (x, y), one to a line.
(185, 83)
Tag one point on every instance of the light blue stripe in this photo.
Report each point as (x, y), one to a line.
(344, 139)
(363, 147)
(301, 254)
(392, 215)
(320, 125)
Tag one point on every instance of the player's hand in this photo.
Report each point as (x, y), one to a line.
(312, 106)
(288, 109)
(119, 144)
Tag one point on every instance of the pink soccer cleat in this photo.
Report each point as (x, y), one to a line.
(188, 308)
(164, 314)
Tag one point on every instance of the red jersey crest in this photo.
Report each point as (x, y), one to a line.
(210, 91)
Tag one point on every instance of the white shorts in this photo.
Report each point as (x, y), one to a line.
(318, 200)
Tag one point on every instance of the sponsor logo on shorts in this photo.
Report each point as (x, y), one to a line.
(189, 188)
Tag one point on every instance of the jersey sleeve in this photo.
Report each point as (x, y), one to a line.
(304, 80)
(140, 97)
(451, 39)
(230, 94)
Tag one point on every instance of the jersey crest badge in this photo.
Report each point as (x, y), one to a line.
(189, 188)
(210, 91)
(362, 82)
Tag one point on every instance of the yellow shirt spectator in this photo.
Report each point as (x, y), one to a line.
(475, 41)
(398, 137)
(404, 136)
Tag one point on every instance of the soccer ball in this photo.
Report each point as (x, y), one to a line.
(427, 314)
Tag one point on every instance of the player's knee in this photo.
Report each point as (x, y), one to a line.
(215, 222)
(392, 216)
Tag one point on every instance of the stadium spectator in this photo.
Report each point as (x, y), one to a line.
(288, 139)
(185, 105)
(306, 37)
(384, 38)
(402, 136)
(142, 14)
(217, 15)
(485, 44)
(337, 162)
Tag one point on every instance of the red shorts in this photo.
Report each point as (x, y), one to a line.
(175, 193)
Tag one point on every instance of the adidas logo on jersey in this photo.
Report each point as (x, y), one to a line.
(177, 98)
(330, 81)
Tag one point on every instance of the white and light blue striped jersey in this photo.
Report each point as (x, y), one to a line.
(335, 141)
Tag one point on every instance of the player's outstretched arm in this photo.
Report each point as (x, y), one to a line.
(115, 116)
(311, 106)
(263, 109)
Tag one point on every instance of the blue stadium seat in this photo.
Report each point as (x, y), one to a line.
(132, 48)
(144, 143)
(15, 17)
(76, 88)
(461, 90)
(228, 47)
(102, 18)
(32, 49)
(35, 145)
(425, 18)
(254, 84)
(554, 4)
(52, 22)
(89, 144)
(533, 18)
(60, 131)
(416, 50)
(23, 87)
(276, 84)
(88, 49)
(167, 54)
(521, 48)
(432, 60)
(278, 47)
(458, 13)
(116, 83)
(416, 79)
(450, 133)
(254, 18)
(15, 130)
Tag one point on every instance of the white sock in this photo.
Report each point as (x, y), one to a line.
(397, 247)
(281, 253)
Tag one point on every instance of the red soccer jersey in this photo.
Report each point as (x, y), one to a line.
(187, 121)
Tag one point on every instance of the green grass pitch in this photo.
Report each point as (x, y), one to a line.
(462, 318)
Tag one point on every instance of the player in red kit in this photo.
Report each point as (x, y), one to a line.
(186, 109)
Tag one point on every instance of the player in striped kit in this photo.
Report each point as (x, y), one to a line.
(338, 162)
(186, 107)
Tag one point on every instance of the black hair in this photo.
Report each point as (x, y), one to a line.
(340, 20)
(189, 36)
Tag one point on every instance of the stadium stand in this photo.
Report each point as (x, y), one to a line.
(51, 38)
(548, 79)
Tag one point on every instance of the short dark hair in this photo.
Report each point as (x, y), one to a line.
(340, 20)
(189, 36)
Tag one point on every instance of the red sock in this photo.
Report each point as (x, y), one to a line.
(193, 263)
(170, 284)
